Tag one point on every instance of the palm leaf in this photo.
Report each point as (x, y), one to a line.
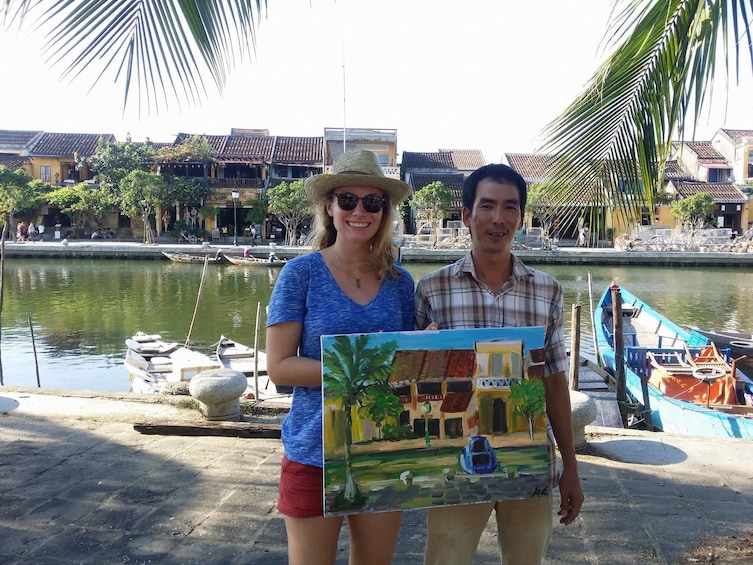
(613, 140)
(159, 48)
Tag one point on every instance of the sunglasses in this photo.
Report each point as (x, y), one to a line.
(348, 201)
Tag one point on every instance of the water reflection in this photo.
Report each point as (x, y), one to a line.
(83, 310)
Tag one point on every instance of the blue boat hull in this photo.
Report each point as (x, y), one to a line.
(668, 414)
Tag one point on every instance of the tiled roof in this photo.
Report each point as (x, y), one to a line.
(298, 150)
(12, 162)
(68, 144)
(738, 134)
(18, 140)
(453, 182)
(721, 192)
(260, 147)
(426, 161)
(673, 171)
(466, 159)
(531, 166)
(706, 152)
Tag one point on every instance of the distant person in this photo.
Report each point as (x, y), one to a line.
(40, 229)
(165, 221)
(350, 284)
(253, 236)
(96, 234)
(272, 257)
(21, 231)
(31, 232)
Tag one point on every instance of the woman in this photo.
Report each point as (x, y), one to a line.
(349, 285)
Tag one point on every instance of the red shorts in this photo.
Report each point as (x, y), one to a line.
(301, 490)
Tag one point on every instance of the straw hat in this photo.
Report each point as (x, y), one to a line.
(356, 168)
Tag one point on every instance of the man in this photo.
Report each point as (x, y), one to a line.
(490, 287)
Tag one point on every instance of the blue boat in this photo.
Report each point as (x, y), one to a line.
(478, 457)
(678, 377)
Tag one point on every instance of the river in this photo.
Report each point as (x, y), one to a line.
(81, 311)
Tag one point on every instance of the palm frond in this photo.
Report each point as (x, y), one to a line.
(159, 49)
(614, 139)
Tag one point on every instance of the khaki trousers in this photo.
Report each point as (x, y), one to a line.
(524, 529)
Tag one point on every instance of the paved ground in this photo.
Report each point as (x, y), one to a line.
(79, 485)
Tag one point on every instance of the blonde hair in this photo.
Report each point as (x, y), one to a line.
(383, 253)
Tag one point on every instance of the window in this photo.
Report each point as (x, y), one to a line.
(45, 173)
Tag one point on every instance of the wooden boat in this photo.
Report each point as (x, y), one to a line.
(255, 261)
(161, 367)
(239, 357)
(679, 378)
(197, 257)
(739, 344)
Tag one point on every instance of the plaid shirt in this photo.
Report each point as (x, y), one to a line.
(455, 298)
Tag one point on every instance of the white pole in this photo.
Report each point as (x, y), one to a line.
(256, 351)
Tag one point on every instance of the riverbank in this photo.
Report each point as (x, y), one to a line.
(131, 250)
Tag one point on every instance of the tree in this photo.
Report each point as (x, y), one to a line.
(111, 162)
(84, 201)
(291, 205)
(652, 85)
(166, 47)
(430, 205)
(193, 149)
(539, 205)
(350, 370)
(530, 401)
(381, 406)
(694, 211)
(140, 194)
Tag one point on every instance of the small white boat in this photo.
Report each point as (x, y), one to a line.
(239, 357)
(255, 261)
(155, 367)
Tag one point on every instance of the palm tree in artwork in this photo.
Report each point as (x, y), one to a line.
(351, 369)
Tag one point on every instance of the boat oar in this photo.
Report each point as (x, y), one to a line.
(198, 299)
(256, 351)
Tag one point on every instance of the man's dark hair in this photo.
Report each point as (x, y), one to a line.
(498, 173)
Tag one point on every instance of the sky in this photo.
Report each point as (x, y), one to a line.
(478, 74)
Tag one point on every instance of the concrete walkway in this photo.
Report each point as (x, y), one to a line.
(79, 485)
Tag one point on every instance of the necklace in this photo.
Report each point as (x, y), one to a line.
(346, 265)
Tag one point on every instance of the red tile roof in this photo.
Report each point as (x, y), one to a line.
(531, 166)
(721, 192)
(13, 162)
(298, 150)
(738, 134)
(706, 153)
(412, 160)
(68, 144)
(453, 182)
(466, 159)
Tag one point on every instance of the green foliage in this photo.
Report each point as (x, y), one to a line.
(290, 204)
(85, 201)
(256, 210)
(140, 194)
(111, 162)
(19, 193)
(381, 406)
(167, 48)
(695, 210)
(430, 205)
(661, 61)
(529, 399)
(193, 149)
(541, 206)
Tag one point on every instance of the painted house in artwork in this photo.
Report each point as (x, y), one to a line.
(463, 392)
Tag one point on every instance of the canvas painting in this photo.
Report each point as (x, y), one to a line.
(430, 418)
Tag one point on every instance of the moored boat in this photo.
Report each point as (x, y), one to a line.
(684, 382)
(197, 257)
(255, 261)
(239, 357)
(739, 343)
(163, 367)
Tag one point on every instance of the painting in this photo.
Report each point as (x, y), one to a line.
(431, 418)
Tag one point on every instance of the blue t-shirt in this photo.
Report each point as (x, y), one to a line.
(306, 292)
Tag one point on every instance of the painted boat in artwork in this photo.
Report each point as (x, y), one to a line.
(687, 384)
(738, 343)
(156, 367)
(245, 359)
(255, 261)
(217, 257)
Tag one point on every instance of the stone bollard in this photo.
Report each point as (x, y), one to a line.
(218, 392)
(583, 410)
